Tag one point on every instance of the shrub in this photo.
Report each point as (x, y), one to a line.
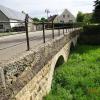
(91, 29)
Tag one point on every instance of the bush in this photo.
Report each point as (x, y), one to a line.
(91, 29)
(90, 35)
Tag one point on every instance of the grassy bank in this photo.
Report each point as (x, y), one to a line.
(79, 78)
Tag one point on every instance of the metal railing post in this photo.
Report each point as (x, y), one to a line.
(58, 31)
(26, 29)
(43, 32)
(63, 28)
(52, 30)
(73, 26)
(66, 28)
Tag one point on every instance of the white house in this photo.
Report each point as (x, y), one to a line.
(65, 17)
(9, 15)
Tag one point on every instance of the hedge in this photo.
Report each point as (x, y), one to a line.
(91, 29)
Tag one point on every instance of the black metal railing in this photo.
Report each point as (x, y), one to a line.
(64, 27)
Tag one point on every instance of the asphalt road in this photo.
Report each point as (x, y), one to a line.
(13, 45)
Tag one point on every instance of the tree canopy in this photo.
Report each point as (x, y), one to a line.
(80, 17)
(84, 17)
(36, 19)
(87, 18)
(96, 13)
(43, 19)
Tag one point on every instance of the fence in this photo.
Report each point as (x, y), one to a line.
(45, 26)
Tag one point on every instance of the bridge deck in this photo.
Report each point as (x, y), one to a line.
(14, 45)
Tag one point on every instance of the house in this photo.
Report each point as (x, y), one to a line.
(9, 15)
(65, 17)
(51, 18)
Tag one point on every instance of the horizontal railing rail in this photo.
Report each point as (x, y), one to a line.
(65, 27)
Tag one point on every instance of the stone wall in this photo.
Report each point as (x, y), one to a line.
(28, 77)
(40, 85)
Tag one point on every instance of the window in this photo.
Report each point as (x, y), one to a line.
(68, 16)
(70, 21)
(63, 16)
(1, 26)
(61, 21)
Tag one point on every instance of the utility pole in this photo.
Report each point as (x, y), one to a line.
(47, 12)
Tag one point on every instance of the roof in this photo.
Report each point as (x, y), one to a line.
(11, 14)
(67, 11)
(51, 18)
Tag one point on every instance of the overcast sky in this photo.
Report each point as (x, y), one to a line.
(36, 8)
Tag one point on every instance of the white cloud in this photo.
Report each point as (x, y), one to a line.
(37, 7)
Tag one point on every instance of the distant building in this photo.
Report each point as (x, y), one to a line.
(65, 17)
(9, 15)
(51, 18)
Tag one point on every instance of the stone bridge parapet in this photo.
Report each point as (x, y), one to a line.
(30, 68)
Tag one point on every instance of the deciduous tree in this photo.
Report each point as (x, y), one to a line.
(80, 17)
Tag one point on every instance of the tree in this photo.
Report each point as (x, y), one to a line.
(43, 19)
(36, 19)
(96, 13)
(80, 17)
(87, 18)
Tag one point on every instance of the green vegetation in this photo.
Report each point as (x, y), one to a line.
(96, 13)
(88, 18)
(91, 29)
(37, 20)
(84, 18)
(80, 17)
(43, 19)
(79, 78)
